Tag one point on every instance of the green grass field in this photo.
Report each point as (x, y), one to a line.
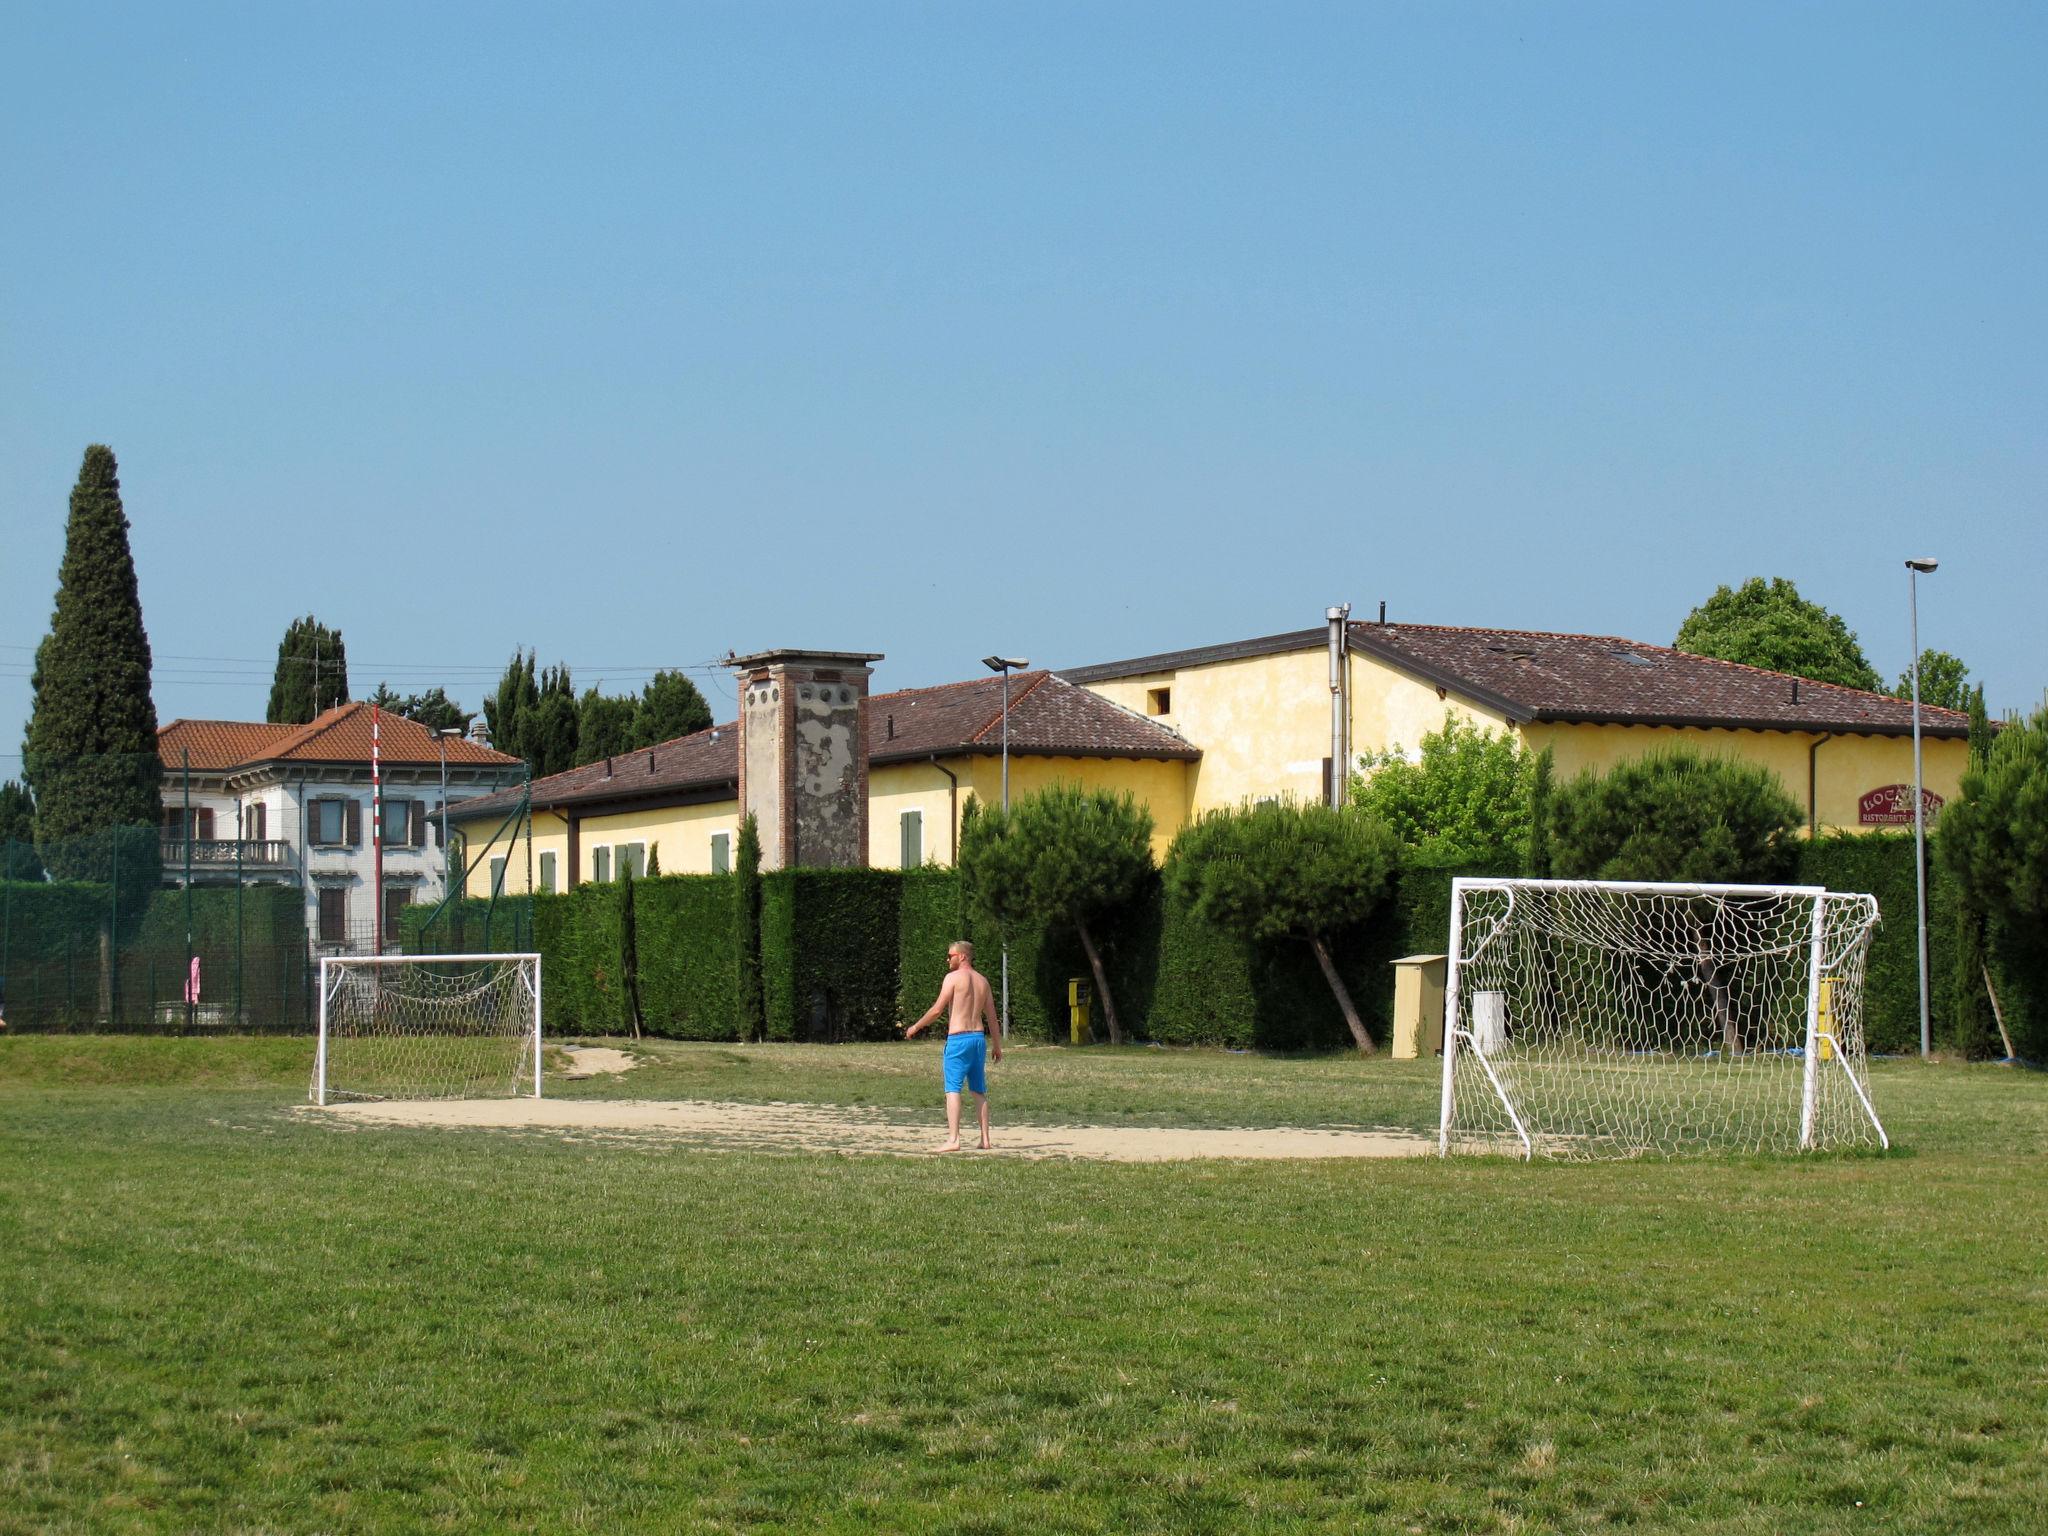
(221, 1314)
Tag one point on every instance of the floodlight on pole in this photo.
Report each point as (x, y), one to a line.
(1915, 569)
(1006, 665)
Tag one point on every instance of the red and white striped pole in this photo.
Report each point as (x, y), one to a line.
(377, 821)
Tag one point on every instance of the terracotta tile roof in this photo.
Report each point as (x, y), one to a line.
(340, 735)
(1537, 675)
(1048, 717)
(1604, 679)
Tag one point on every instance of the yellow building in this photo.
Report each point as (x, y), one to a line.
(1261, 711)
(928, 749)
(1192, 730)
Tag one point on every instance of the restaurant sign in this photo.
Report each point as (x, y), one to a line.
(1891, 805)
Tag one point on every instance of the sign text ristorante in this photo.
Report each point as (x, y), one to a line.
(1891, 805)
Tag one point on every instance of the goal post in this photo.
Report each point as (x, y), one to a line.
(428, 1027)
(1617, 1018)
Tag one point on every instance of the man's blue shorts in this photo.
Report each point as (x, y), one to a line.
(967, 1061)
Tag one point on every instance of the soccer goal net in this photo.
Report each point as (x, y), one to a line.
(1600, 1019)
(428, 1027)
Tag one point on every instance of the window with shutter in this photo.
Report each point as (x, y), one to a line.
(600, 864)
(354, 812)
(253, 819)
(419, 823)
(497, 877)
(333, 916)
(721, 853)
(396, 900)
(547, 871)
(913, 839)
(632, 860)
(206, 824)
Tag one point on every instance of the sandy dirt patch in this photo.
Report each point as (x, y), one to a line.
(591, 1060)
(831, 1128)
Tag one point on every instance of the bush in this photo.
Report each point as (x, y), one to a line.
(829, 946)
(1675, 815)
(688, 985)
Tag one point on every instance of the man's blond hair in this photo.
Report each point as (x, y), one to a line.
(963, 948)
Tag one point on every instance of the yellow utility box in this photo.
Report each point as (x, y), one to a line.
(1080, 997)
(1419, 1005)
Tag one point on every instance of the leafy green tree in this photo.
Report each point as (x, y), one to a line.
(1675, 815)
(91, 755)
(18, 860)
(1994, 840)
(1768, 624)
(311, 676)
(506, 711)
(1302, 872)
(670, 706)
(1944, 681)
(1064, 857)
(1541, 789)
(605, 726)
(752, 1023)
(1465, 801)
(433, 709)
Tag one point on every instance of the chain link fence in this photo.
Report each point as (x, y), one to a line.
(214, 914)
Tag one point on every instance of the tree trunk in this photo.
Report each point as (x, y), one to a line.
(1359, 1032)
(1998, 1013)
(1116, 1034)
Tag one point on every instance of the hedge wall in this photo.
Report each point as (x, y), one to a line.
(829, 953)
(688, 989)
(43, 921)
(849, 954)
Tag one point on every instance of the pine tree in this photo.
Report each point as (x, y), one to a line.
(91, 756)
(670, 706)
(752, 1023)
(311, 676)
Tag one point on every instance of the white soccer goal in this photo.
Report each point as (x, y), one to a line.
(428, 1027)
(1603, 1018)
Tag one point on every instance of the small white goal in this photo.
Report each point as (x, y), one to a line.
(428, 1027)
(1610, 1018)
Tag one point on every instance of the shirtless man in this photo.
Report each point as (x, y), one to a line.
(971, 1035)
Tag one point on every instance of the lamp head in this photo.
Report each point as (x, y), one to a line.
(1923, 566)
(1005, 663)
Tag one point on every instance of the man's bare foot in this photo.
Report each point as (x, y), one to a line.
(947, 1146)
(988, 1146)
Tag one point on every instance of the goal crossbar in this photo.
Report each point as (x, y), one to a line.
(1619, 1017)
(398, 1026)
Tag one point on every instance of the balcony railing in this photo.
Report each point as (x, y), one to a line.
(215, 854)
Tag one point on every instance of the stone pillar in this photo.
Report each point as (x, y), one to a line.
(804, 755)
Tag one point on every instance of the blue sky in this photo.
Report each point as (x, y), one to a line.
(1071, 331)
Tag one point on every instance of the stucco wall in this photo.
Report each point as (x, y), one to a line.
(901, 787)
(681, 833)
(1844, 769)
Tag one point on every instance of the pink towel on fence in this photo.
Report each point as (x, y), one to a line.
(192, 984)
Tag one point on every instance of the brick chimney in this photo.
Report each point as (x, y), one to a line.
(804, 755)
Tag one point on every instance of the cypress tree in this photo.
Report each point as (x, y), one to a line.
(629, 952)
(1974, 1027)
(1537, 864)
(505, 711)
(91, 755)
(18, 859)
(311, 675)
(752, 1023)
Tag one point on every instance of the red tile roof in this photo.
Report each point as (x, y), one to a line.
(1049, 717)
(340, 735)
(1536, 675)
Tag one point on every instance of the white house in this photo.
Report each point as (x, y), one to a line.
(290, 804)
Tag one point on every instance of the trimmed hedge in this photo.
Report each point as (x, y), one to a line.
(688, 989)
(851, 954)
(830, 943)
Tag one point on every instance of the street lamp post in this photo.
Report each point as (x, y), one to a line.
(1004, 665)
(441, 735)
(1915, 569)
